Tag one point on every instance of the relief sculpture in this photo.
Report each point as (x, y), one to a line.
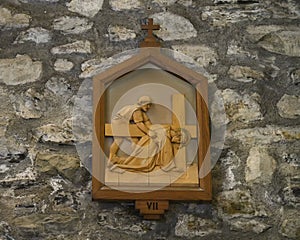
(153, 148)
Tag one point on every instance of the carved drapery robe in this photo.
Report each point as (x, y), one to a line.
(151, 152)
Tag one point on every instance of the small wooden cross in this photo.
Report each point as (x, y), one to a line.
(150, 40)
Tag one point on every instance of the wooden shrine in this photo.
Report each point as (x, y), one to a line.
(151, 131)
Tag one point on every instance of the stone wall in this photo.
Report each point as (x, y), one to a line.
(251, 51)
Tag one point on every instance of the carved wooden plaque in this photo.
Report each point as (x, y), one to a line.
(151, 133)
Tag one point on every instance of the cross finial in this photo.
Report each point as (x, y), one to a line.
(150, 40)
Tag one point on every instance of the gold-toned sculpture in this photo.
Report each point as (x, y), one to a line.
(156, 146)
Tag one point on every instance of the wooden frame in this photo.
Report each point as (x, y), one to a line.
(153, 56)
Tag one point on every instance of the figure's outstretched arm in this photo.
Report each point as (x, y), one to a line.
(143, 127)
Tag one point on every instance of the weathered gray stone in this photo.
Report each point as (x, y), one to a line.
(235, 50)
(255, 33)
(59, 87)
(3, 168)
(7, 113)
(25, 208)
(282, 42)
(56, 134)
(37, 35)
(244, 74)
(244, 108)
(164, 3)
(64, 201)
(25, 177)
(57, 223)
(290, 189)
(63, 65)
(4, 151)
(57, 184)
(234, 1)
(217, 110)
(286, 10)
(277, 38)
(211, 78)
(5, 229)
(83, 115)
(202, 54)
(288, 106)
(88, 8)
(245, 225)
(295, 76)
(120, 33)
(182, 58)
(120, 5)
(229, 165)
(75, 47)
(225, 1)
(266, 135)
(118, 219)
(29, 1)
(12, 151)
(64, 164)
(72, 25)
(271, 63)
(291, 158)
(185, 3)
(82, 119)
(289, 171)
(19, 70)
(93, 67)
(173, 27)
(237, 203)
(8, 20)
(260, 166)
(16, 148)
(82, 128)
(290, 224)
(189, 226)
(29, 105)
(228, 14)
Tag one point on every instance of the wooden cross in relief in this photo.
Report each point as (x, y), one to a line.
(178, 121)
(150, 40)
